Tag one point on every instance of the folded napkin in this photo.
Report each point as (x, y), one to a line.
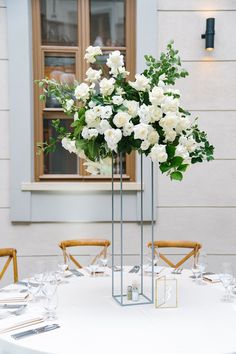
(157, 269)
(14, 297)
(14, 323)
(213, 278)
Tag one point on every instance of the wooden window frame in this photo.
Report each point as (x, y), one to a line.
(38, 70)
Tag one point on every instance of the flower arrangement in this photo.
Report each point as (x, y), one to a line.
(115, 115)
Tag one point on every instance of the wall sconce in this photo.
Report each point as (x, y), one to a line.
(209, 34)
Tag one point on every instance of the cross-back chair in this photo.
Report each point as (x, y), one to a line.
(194, 252)
(64, 245)
(11, 254)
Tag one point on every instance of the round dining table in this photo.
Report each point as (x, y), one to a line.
(91, 322)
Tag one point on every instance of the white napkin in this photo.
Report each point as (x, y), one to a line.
(157, 269)
(14, 323)
(14, 297)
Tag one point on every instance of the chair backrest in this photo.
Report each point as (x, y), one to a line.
(64, 245)
(194, 246)
(11, 254)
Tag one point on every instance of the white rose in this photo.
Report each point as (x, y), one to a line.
(107, 86)
(91, 53)
(141, 131)
(144, 114)
(106, 112)
(182, 151)
(93, 75)
(89, 133)
(132, 107)
(153, 137)
(91, 119)
(155, 113)
(69, 104)
(145, 145)
(141, 83)
(170, 121)
(184, 123)
(170, 104)
(69, 145)
(190, 143)
(117, 100)
(91, 104)
(121, 119)
(158, 153)
(156, 96)
(112, 137)
(119, 91)
(115, 60)
(128, 129)
(98, 110)
(76, 116)
(170, 135)
(103, 126)
(82, 92)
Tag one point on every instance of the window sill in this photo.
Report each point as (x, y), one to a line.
(77, 186)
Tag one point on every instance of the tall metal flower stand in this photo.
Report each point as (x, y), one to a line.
(122, 278)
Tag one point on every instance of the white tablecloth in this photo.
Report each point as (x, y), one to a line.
(93, 323)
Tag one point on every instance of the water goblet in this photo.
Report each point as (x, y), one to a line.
(50, 301)
(103, 260)
(201, 265)
(93, 267)
(226, 278)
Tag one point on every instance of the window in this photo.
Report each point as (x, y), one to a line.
(62, 30)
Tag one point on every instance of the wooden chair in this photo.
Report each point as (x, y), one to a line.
(11, 254)
(194, 246)
(83, 242)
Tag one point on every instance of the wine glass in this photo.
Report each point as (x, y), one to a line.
(201, 266)
(196, 272)
(226, 278)
(103, 260)
(63, 266)
(50, 301)
(34, 288)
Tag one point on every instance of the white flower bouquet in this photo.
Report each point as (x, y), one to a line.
(115, 115)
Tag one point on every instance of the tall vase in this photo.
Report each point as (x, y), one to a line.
(121, 278)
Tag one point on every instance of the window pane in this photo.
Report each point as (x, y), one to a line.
(59, 22)
(60, 161)
(60, 67)
(107, 23)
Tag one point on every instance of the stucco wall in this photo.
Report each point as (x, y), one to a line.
(202, 207)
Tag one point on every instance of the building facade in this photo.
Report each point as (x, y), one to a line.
(34, 219)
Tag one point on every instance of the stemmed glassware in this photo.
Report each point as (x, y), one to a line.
(201, 266)
(50, 300)
(226, 278)
(103, 260)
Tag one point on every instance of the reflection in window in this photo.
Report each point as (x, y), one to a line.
(107, 23)
(59, 67)
(60, 161)
(59, 22)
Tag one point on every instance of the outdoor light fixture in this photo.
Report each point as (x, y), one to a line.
(209, 34)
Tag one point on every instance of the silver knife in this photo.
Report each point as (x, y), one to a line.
(31, 332)
(11, 306)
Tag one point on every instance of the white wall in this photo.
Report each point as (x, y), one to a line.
(202, 207)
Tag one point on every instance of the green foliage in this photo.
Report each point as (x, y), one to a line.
(169, 66)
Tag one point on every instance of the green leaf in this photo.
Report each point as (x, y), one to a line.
(176, 175)
(170, 149)
(42, 97)
(182, 168)
(164, 167)
(176, 161)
